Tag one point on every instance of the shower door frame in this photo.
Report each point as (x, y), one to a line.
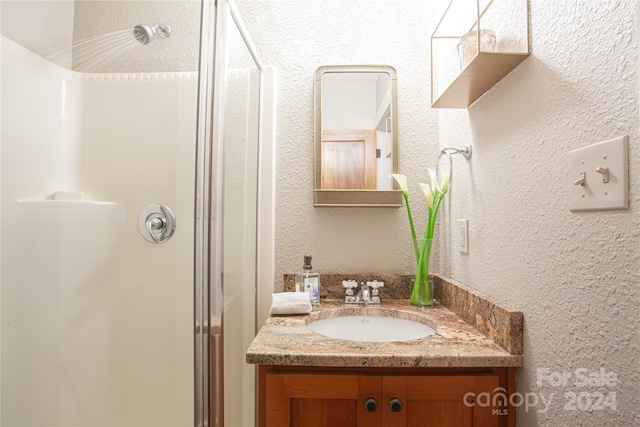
(204, 253)
(208, 304)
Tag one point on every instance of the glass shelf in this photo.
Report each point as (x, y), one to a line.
(463, 69)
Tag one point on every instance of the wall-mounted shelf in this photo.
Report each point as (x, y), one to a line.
(458, 82)
(484, 71)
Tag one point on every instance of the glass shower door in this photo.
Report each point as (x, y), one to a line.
(242, 79)
(97, 323)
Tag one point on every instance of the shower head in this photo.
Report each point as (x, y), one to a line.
(145, 34)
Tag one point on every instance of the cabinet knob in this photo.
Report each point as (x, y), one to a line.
(395, 404)
(370, 404)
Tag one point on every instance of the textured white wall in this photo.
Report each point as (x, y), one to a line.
(41, 26)
(575, 275)
(179, 52)
(297, 37)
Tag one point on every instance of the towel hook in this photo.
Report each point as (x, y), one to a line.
(465, 151)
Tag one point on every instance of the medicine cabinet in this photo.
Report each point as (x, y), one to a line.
(474, 45)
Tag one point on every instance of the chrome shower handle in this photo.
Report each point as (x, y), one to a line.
(155, 226)
(156, 223)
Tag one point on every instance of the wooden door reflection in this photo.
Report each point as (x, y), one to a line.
(349, 159)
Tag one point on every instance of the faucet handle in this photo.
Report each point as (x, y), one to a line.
(375, 284)
(349, 284)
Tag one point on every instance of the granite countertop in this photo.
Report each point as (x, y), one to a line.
(285, 340)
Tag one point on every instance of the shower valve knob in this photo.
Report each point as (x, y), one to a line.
(157, 223)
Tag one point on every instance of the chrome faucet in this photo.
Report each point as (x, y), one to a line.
(367, 294)
(364, 295)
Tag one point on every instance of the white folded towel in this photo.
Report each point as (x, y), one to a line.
(291, 303)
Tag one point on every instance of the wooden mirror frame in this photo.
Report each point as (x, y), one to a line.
(355, 198)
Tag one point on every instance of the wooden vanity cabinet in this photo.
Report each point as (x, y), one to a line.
(389, 397)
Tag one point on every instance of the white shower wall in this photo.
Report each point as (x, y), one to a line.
(49, 141)
(96, 322)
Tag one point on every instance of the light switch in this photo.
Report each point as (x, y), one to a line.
(599, 176)
(464, 235)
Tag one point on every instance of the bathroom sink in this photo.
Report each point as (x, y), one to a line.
(371, 328)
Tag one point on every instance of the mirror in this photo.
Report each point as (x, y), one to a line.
(356, 136)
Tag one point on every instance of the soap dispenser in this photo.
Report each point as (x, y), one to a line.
(308, 281)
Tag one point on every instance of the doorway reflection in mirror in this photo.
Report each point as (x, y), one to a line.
(356, 131)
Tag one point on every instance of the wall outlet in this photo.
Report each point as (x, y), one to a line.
(463, 226)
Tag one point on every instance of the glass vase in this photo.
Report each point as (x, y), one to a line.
(421, 292)
(421, 286)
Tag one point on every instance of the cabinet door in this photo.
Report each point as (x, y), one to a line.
(321, 400)
(438, 401)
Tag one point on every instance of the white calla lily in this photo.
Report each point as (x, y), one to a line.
(402, 182)
(428, 195)
(433, 180)
(434, 194)
(445, 179)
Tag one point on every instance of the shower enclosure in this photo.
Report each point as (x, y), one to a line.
(117, 117)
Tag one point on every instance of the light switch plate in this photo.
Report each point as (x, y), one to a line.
(588, 188)
(464, 236)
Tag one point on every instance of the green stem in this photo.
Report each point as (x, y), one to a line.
(428, 233)
(432, 219)
(421, 293)
(413, 230)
